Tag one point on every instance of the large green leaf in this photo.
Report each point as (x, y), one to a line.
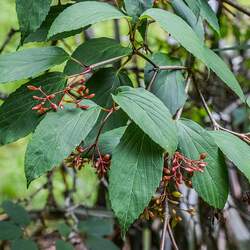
(82, 14)
(31, 14)
(135, 172)
(93, 51)
(212, 184)
(184, 34)
(40, 35)
(183, 11)
(16, 213)
(9, 231)
(169, 86)
(16, 117)
(150, 114)
(30, 62)
(56, 137)
(235, 149)
(201, 7)
(21, 244)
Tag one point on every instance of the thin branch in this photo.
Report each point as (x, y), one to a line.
(179, 112)
(237, 7)
(174, 67)
(171, 235)
(146, 58)
(152, 80)
(215, 124)
(165, 225)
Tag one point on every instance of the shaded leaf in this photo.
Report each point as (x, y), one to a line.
(235, 150)
(30, 62)
(21, 244)
(135, 172)
(150, 114)
(97, 226)
(184, 34)
(16, 117)
(61, 131)
(63, 245)
(31, 14)
(184, 12)
(93, 51)
(16, 213)
(169, 86)
(212, 184)
(97, 243)
(64, 229)
(40, 35)
(9, 231)
(83, 14)
(134, 8)
(201, 7)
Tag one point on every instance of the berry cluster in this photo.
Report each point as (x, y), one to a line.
(73, 93)
(181, 166)
(102, 164)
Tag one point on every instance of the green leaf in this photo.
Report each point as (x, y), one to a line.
(40, 35)
(30, 62)
(248, 101)
(16, 213)
(150, 114)
(134, 8)
(21, 244)
(104, 83)
(235, 150)
(93, 51)
(169, 86)
(63, 245)
(184, 12)
(135, 172)
(212, 184)
(16, 117)
(9, 231)
(184, 34)
(31, 14)
(82, 14)
(110, 139)
(61, 131)
(97, 243)
(97, 226)
(202, 8)
(64, 229)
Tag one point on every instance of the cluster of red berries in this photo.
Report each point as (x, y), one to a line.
(76, 159)
(73, 93)
(102, 164)
(180, 166)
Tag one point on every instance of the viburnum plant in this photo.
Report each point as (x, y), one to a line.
(131, 131)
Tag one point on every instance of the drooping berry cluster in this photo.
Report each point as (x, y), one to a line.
(181, 166)
(102, 164)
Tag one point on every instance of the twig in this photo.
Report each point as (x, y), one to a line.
(179, 112)
(165, 225)
(237, 6)
(170, 232)
(152, 80)
(174, 67)
(216, 125)
(10, 34)
(146, 58)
